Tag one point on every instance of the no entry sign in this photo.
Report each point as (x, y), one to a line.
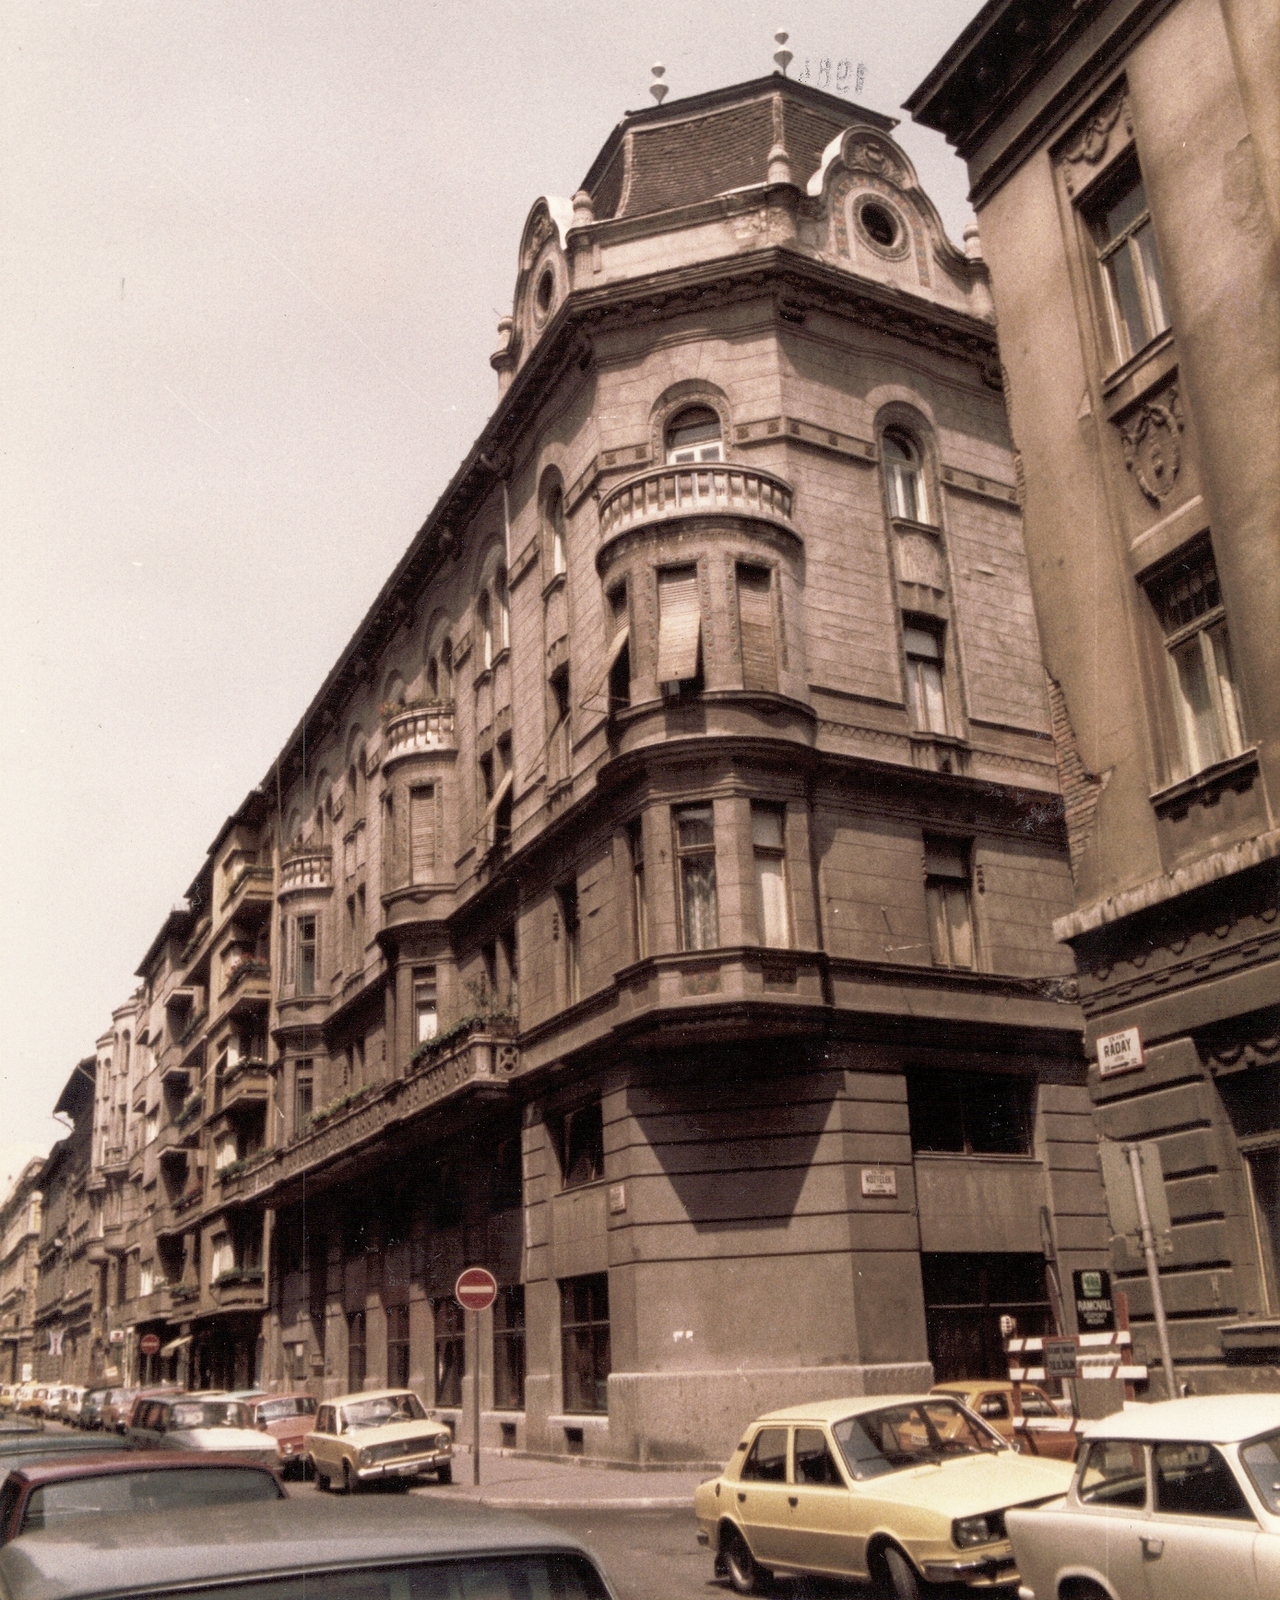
(149, 1344)
(476, 1289)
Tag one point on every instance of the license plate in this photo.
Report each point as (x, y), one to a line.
(407, 1470)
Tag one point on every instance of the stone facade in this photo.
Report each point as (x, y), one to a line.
(19, 1253)
(1123, 156)
(654, 904)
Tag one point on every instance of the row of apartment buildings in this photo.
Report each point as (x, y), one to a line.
(662, 900)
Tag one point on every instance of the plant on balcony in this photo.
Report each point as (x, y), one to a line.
(344, 1102)
(398, 708)
(191, 1108)
(233, 1169)
(182, 1292)
(486, 1021)
(238, 1275)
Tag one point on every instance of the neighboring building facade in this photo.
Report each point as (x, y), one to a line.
(67, 1280)
(1125, 156)
(19, 1255)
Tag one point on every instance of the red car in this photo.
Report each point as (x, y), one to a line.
(47, 1494)
(288, 1418)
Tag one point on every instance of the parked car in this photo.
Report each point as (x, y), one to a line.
(383, 1434)
(378, 1549)
(90, 1418)
(66, 1408)
(47, 1494)
(1180, 1500)
(1023, 1414)
(834, 1489)
(17, 1449)
(31, 1398)
(116, 1408)
(195, 1422)
(289, 1418)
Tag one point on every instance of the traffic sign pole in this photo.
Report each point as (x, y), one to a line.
(475, 1291)
(1134, 1153)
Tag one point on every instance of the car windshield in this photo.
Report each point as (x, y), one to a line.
(289, 1405)
(1261, 1459)
(382, 1408)
(210, 1414)
(910, 1435)
(521, 1577)
(158, 1489)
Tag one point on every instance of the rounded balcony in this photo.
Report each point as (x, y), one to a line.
(716, 489)
(420, 730)
(306, 867)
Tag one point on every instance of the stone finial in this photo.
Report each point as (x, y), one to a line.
(782, 57)
(657, 88)
(779, 170)
(972, 242)
(584, 210)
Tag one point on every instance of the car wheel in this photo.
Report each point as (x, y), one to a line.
(744, 1574)
(348, 1479)
(900, 1581)
(444, 1474)
(322, 1481)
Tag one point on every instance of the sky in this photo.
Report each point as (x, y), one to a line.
(252, 260)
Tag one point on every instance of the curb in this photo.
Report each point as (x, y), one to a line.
(645, 1503)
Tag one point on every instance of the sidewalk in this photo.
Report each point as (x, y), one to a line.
(523, 1483)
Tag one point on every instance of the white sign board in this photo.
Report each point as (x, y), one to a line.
(1120, 1052)
(1060, 1358)
(880, 1182)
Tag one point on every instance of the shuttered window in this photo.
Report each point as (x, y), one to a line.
(755, 625)
(946, 866)
(679, 625)
(422, 834)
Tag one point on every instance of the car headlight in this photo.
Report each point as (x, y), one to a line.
(967, 1531)
(366, 1458)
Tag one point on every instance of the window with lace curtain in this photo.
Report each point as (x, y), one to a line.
(696, 865)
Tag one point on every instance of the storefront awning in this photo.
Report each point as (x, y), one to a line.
(174, 1345)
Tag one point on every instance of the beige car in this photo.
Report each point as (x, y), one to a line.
(906, 1490)
(381, 1435)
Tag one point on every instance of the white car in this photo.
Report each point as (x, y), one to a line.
(378, 1434)
(194, 1422)
(1179, 1500)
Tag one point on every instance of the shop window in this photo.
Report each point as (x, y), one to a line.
(925, 661)
(696, 864)
(772, 898)
(1119, 221)
(451, 1351)
(639, 903)
(756, 628)
(580, 1140)
(679, 630)
(509, 1349)
(948, 901)
(584, 1342)
(966, 1295)
(357, 1324)
(904, 477)
(426, 1019)
(571, 941)
(971, 1113)
(1189, 604)
(397, 1347)
(693, 435)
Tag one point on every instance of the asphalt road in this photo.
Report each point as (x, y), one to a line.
(646, 1554)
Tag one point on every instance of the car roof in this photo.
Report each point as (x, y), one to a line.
(834, 1410)
(1221, 1418)
(106, 1556)
(121, 1460)
(370, 1394)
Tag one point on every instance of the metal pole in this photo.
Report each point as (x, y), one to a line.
(1134, 1153)
(475, 1397)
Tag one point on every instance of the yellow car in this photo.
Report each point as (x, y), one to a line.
(377, 1435)
(1030, 1417)
(906, 1490)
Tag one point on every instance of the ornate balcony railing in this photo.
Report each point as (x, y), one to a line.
(663, 493)
(415, 730)
(308, 866)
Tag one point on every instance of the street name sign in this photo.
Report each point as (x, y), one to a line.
(1120, 1052)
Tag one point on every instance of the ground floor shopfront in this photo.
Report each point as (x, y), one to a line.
(684, 1237)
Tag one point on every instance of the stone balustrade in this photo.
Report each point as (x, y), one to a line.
(418, 730)
(715, 488)
(307, 866)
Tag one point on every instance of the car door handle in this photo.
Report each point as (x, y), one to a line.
(1152, 1547)
(792, 1501)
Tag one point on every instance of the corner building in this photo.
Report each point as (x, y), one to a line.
(1125, 159)
(664, 874)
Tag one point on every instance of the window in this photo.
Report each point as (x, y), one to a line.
(571, 929)
(356, 1325)
(813, 1459)
(303, 1094)
(639, 905)
(508, 1349)
(756, 629)
(426, 1019)
(508, 1176)
(618, 660)
(767, 843)
(422, 834)
(560, 744)
(965, 1296)
(904, 477)
(1115, 1474)
(1193, 1480)
(446, 669)
(694, 435)
(767, 1459)
(581, 1146)
(947, 901)
(397, 1347)
(584, 1342)
(501, 612)
(305, 955)
(923, 647)
(1189, 604)
(350, 931)
(696, 865)
(509, 951)
(971, 1113)
(451, 1352)
(1120, 223)
(484, 626)
(679, 629)
(221, 1258)
(557, 531)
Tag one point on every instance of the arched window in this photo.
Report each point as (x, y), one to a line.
(557, 531)
(484, 626)
(433, 678)
(446, 669)
(694, 435)
(904, 477)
